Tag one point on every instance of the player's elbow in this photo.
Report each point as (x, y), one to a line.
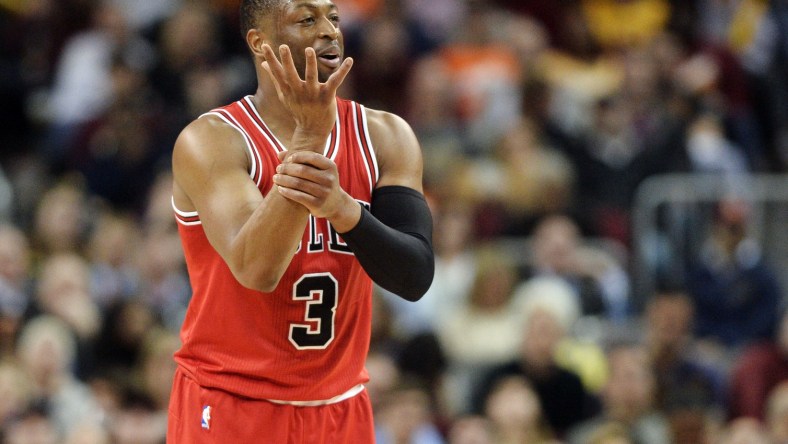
(265, 282)
(255, 272)
(418, 288)
(416, 282)
(411, 294)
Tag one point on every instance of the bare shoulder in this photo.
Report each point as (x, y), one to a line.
(206, 148)
(397, 149)
(204, 138)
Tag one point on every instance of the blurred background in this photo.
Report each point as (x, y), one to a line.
(608, 180)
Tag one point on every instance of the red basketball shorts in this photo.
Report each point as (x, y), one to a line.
(199, 415)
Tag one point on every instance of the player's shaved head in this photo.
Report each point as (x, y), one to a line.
(253, 11)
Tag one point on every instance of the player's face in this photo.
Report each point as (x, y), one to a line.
(312, 23)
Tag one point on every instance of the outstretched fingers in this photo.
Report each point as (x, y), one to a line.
(284, 73)
(275, 70)
(289, 65)
(338, 76)
(310, 72)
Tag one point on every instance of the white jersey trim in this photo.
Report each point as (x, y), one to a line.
(339, 398)
(254, 156)
(327, 150)
(184, 214)
(369, 141)
(360, 143)
(275, 143)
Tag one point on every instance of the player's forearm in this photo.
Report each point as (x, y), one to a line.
(268, 241)
(393, 243)
(265, 245)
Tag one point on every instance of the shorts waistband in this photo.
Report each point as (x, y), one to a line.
(339, 398)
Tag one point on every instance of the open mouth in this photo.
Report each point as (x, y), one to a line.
(331, 59)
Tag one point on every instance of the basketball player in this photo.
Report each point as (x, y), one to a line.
(290, 202)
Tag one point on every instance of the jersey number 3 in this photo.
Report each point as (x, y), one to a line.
(319, 291)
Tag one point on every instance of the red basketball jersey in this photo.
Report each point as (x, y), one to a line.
(308, 339)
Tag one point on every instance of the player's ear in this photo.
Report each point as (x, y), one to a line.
(255, 39)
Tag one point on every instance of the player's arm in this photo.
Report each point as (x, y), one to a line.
(393, 241)
(255, 235)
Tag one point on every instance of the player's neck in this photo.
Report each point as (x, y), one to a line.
(273, 112)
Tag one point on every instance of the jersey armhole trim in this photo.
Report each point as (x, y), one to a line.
(188, 218)
(255, 168)
(365, 145)
(332, 143)
(372, 154)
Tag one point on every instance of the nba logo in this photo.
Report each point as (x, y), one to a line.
(206, 417)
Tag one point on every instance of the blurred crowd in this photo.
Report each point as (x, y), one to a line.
(538, 120)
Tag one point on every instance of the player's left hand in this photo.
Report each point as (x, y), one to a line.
(311, 103)
(312, 180)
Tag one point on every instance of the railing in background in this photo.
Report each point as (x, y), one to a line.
(672, 215)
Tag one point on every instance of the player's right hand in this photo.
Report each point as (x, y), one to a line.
(311, 103)
(312, 180)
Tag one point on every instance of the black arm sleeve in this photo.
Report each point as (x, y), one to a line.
(393, 242)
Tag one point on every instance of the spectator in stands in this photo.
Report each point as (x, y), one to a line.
(455, 268)
(600, 283)
(110, 250)
(617, 152)
(384, 375)
(548, 312)
(689, 391)
(391, 43)
(736, 294)
(515, 413)
(165, 287)
(710, 151)
(470, 429)
(157, 215)
(485, 330)
(47, 352)
(182, 52)
(155, 367)
(759, 369)
(61, 219)
(484, 73)
(627, 399)
(404, 415)
(138, 421)
(119, 154)
(455, 260)
(119, 346)
(522, 178)
(438, 18)
(63, 290)
(34, 425)
(429, 107)
(82, 88)
(682, 380)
